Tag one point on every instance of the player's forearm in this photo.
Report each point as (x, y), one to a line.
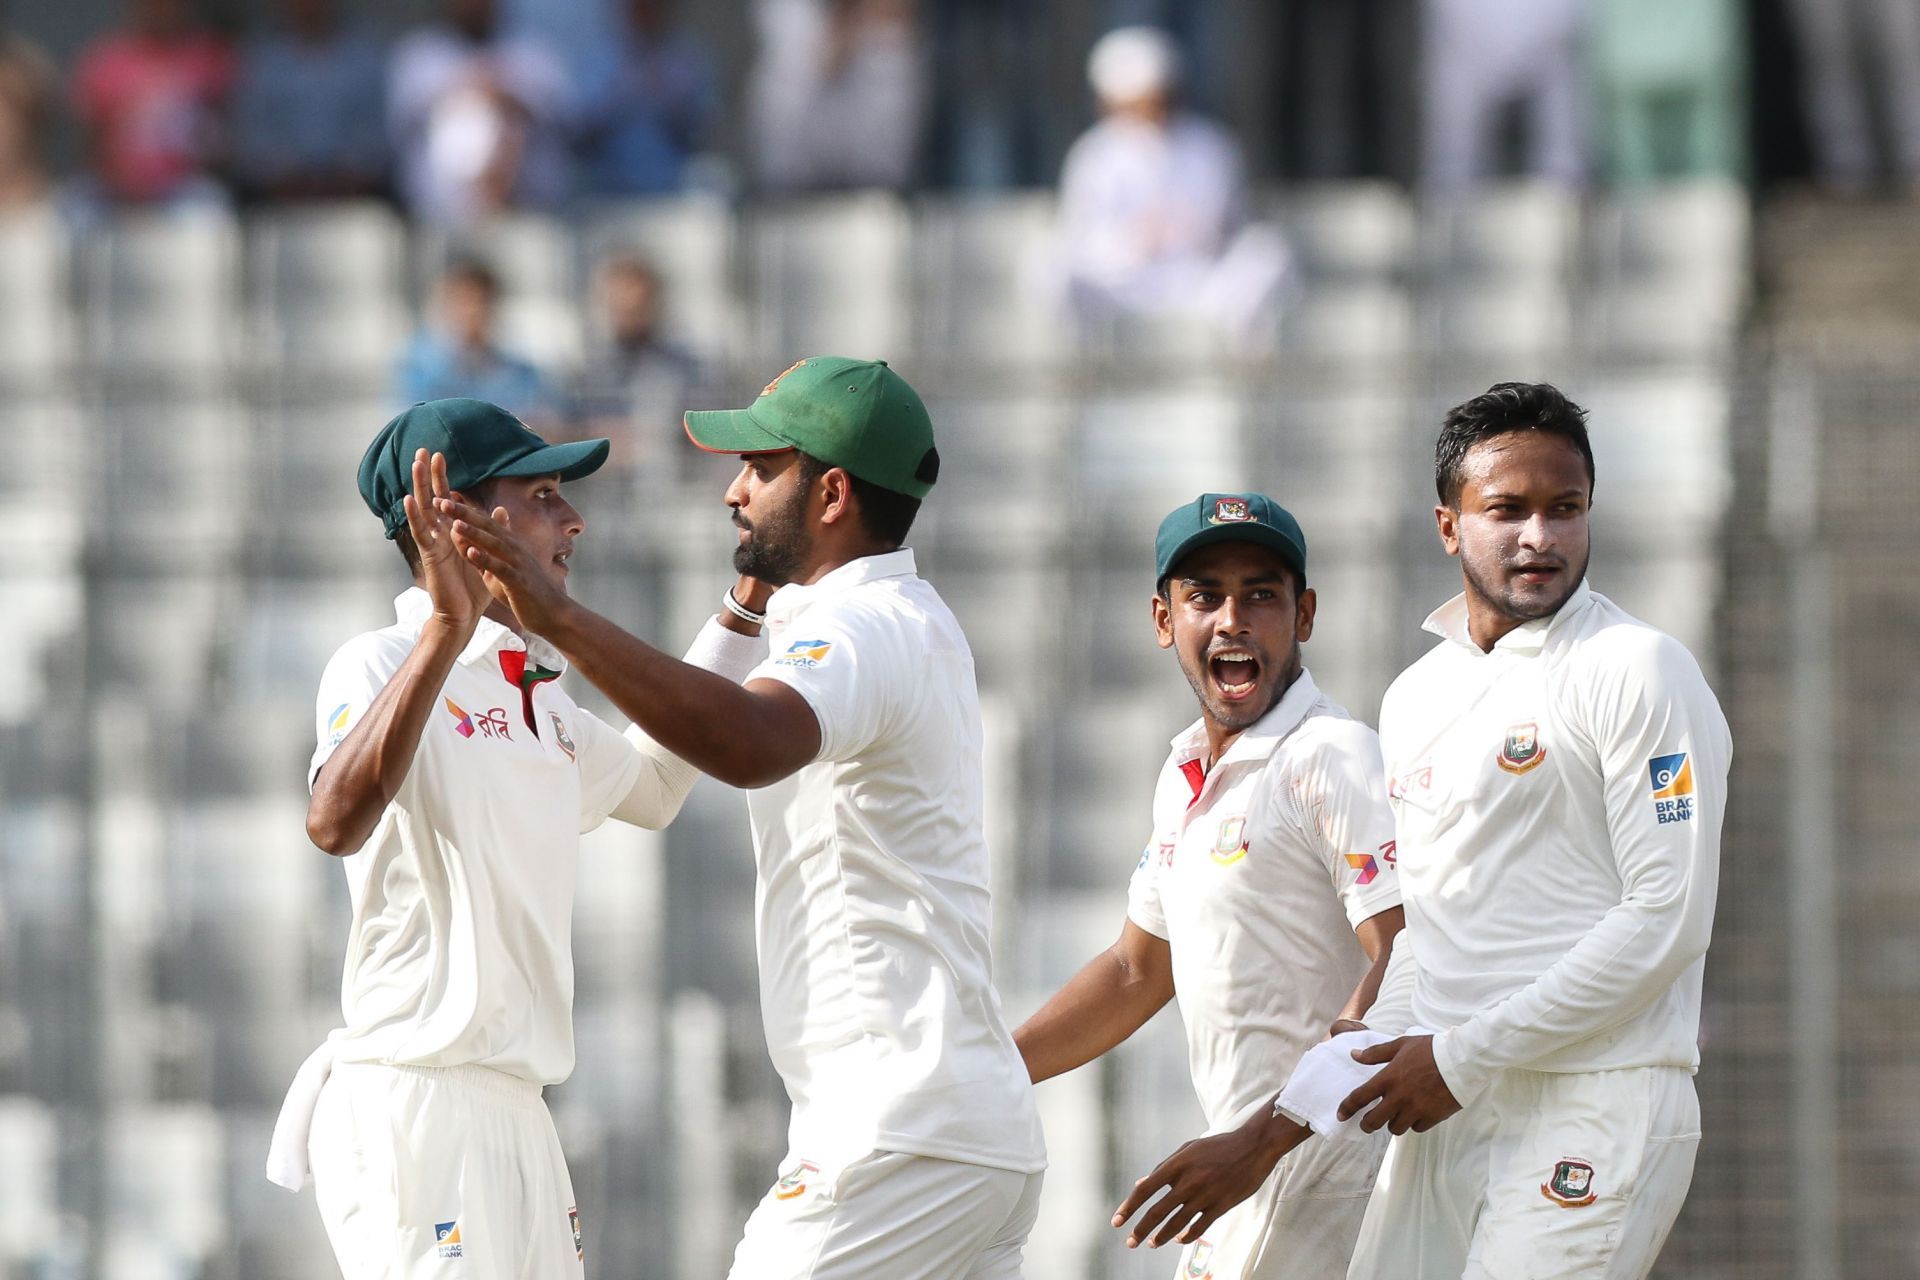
(1107, 1001)
(713, 724)
(1625, 962)
(365, 772)
(1376, 935)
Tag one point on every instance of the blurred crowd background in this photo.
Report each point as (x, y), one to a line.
(1128, 251)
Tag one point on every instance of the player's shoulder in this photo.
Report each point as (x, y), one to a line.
(1417, 675)
(384, 649)
(1608, 645)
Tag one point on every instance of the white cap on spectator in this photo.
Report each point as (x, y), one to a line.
(1130, 63)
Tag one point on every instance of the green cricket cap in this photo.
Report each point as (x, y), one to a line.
(856, 414)
(481, 441)
(1228, 517)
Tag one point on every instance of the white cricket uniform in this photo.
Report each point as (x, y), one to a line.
(872, 917)
(1558, 803)
(1259, 870)
(424, 1126)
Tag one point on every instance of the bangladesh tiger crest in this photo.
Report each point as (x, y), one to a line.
(560, 736)
(1231, 844)
(1523, 751)
(1200, 1261)
(1231, 511)
(1571, 1185)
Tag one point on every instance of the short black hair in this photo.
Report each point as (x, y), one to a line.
(481, 495)
(886, 515)
(1504, 407)
(471, 268)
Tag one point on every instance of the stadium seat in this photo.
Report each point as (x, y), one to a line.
(1349, 322)
(173, 473)
(159, 297)
(1515, 318)
(1348, 231)
(828, 275)
(1158, 445)
(29, 1170)
(325, 292)
(166, 1175)
(1524, 230)
(36, 306)
(1670, 271)
(689, 240)
(980, 290)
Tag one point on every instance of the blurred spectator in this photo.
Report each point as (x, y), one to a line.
(635, 384)
(458, 356)
(28, 83)
(1849, 49)
(307, 118)
(1491, 64)
(1152, 203)
(837, 94)
(655, 95)
(1666, 76)
(479, 118)
(152, 96)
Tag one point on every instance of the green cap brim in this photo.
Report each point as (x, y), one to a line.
(570, 461)
(731, 431)
(1258, 534)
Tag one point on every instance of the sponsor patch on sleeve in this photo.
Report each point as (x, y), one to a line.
(1671, 778)
(338, 723)
(805, 654)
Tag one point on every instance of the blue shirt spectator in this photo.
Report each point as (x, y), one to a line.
(459, 356)
(655, 93)
(308, 120)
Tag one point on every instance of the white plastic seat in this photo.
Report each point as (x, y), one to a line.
(1349, 231)
(1350, 322)
(166, 1184)
(828, 276)
(1522, 229)
(160, 295)
(326, 290)
(36, 315)
(980, 286)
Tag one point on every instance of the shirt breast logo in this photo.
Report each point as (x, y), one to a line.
(560, 735)
(1231, 844)
(1522, 750)
(1672, 780)
(793, 1183)
(491, 723)
(805, 654)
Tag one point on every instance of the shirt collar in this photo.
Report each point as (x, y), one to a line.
(794, 597)
(414, 606)
(1259, 739)
(1449, 622)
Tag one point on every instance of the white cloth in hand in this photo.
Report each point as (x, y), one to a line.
(1324, 1078)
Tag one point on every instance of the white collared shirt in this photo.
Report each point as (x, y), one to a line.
(872, 909)
(460, 947)
(1558, 803)
(1258, 872)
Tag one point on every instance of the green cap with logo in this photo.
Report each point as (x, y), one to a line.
(481, 441)
(856, 414)
(1229, 517)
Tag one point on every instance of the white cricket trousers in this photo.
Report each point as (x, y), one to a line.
(1300, 1225)
(1578, 1177)
(886, 1215)
(442, 1172)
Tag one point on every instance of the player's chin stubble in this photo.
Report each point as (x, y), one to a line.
(1513, 602)
(775, 549)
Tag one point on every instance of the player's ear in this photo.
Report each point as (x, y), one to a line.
(1162, 619)
(1303, 611)
(1448, 521)
(836, 495)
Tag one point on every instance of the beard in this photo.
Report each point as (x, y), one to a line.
(776, 546)
(1499, 591)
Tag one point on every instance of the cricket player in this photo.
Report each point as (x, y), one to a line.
(1558, 774)
(453, 778)
(1266, 897)
(915, 1144)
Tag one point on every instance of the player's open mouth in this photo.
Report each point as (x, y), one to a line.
(1535, 574)
(1234, 674)
(561, 557)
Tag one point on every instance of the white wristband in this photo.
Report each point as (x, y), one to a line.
(739, 610)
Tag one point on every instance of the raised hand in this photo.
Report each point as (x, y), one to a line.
(508, 569)
(1204, 1178)
(459, 594)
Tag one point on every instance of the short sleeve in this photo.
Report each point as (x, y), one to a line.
(1143, 890)
(1340, 794)
(849, 670)
(609, 766)
(354, 677)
